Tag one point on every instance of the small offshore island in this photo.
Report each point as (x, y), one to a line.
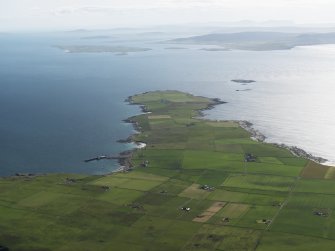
(197, 185)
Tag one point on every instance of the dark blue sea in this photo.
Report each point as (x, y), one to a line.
(58, 109)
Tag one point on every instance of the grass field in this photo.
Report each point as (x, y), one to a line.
(270, 204)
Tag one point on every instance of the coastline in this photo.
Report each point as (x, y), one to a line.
(299, 152)
(125, 160)
(192, 171)
(191, 174)
(126, 163)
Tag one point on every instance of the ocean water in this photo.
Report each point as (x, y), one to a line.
(58, 109)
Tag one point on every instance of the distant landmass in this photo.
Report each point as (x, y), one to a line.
(243, 81)
(120, 50)
(96, 37)
(259, 41)
(150, 33)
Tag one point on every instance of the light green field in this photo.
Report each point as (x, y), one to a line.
(222, 124)
(234, 210)
(245, 197)
(316, 186)
(120, 196)
(141, 209)
(194, 192)
(272, 241)
(260, 182)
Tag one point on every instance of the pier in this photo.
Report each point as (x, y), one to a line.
(102, 157)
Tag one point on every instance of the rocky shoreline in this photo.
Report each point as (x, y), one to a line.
(125, 162)
(216, 101)
(258, 136)
(126, 156)
(255, 135)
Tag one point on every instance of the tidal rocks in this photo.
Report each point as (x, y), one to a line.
(256, 135)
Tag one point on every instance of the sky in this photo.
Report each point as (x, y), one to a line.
(28, 15)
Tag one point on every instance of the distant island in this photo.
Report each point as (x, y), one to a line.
(244, 90)
(100, 49)
(259, 41)
(243, 81)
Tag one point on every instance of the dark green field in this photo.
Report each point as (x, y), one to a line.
(269, 204)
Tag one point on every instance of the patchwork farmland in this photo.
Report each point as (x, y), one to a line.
(190, 188)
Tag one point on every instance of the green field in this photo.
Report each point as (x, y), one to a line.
(269, 204)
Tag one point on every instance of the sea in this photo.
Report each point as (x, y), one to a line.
(58, 109)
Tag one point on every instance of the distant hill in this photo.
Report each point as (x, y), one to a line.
(261, 41)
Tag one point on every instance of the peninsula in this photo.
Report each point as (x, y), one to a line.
(100, 49)
(197, 185)
(258, 40)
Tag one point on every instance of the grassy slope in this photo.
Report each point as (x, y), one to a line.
(51, 213)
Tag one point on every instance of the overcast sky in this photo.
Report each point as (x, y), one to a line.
(74, 14)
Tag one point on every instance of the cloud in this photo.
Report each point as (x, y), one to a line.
(71, 7)
(98, 9)
(95, 13)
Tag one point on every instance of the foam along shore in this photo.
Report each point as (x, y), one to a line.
(126, 163)
(246, 125)
(258, 136)
(125, 157)
(140, 145)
